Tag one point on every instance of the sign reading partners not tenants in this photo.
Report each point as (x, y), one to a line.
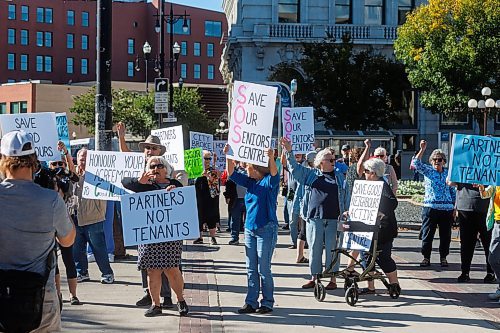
(298, 127)
(42, 128)
(251, 125)
(475, 160)
(173, 141)
(365, 201)
(201, 140)
(160, 216)
(105, 170)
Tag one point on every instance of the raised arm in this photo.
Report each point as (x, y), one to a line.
(229, 161)
(120, 128)
(273, 168)
(67, 157)
(366, 153)
(423, 147)
(299, 172)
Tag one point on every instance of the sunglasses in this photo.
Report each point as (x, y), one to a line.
(207, 158)
(379, 156)
(368, 171)
(60, 164)
(151, 147)
(156, 166)
(439, 160)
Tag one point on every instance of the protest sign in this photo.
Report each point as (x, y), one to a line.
(298, 127)
(160, 216)
(105, 170)
(220, 158)
(251, 125)
(202, 140)
(41, 127)
(365, 201)
(193, 162)
(172, 139)
(63, 130)
(475, 160)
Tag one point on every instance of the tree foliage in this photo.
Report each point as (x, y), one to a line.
(350, 89)
(450, 50)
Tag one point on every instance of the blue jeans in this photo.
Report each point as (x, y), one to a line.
(108, 229)
(431, 218)
(259, 248)
(286, 217)
(94, 235)
(494, 256)
(236, 215)
(294, 224)
(319, 232)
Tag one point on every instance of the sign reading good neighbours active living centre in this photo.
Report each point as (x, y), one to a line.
(298, 127)
(475, 160)
(105, 170)
(41, 127)
(172, 139)
(251, 125)
(160, 216)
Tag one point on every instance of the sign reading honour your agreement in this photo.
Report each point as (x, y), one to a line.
(193, 161)
(160, 216)
(220, 161)
(202, 140)
(365, 201)
(105, 170)
(251, 125)
(42, 128)
(475, 160)
(298, 127)
(171, 138)
(62, 129)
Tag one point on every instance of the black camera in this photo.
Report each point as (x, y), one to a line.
(50, 178)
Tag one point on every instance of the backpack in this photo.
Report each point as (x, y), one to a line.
(21, 297)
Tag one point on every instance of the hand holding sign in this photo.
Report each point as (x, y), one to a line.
(285, 143)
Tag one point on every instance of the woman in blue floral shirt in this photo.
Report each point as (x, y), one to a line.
(439, 202)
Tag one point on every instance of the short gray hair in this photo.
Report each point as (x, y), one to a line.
(437, 153)
(380, 151)
(375, 165)
(320, 156)
(168, 167)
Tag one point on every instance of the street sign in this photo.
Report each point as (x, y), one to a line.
(170, 118)
(161, 95)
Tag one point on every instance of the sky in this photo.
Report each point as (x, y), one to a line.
(207, 4)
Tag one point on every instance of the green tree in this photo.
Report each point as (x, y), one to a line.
(450, 50)
(350, 89)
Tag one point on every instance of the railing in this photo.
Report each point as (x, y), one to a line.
(390, 32)
(355, 31)
(291, 30)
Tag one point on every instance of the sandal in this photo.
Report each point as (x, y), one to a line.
(331, 286)
(303, 260)
(351, 273)
(366, 291)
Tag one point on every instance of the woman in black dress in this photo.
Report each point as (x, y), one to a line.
(162, 257)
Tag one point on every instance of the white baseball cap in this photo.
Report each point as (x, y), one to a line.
(17, 143)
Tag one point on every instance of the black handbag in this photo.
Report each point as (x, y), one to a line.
(21, 298)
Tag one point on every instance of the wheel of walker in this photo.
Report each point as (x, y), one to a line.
(347, 284)
(351, 296)
(319, 292)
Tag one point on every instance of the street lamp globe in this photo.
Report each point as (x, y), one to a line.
(222, 124)
(486, 91)
(490, 103)
(185, 26)
(146, 48)
(293, 86)
(497, 104)
(472, 104)
(157, 26)
(176, 48)
(481, 104)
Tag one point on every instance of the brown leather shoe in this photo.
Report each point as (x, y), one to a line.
(309, 285)
(331, 286)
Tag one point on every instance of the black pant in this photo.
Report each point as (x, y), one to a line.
(165, 286)
(69, 263)
(472, 224)
(432, 218)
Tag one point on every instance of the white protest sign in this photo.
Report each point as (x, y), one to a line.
(173, 141)
(42, 128)
(251, 125)
(160, 216)
(202, 140)
(298, 127)
(105, 170)
(220, 161)
(365, 201)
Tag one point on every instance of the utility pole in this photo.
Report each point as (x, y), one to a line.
(103, 99)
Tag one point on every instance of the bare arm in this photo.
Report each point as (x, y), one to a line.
(229, 161)
(366, 153)
(394, 181)
(67, 157)
(273, 168)
(67, 240)
(120, 127)
(423, 146)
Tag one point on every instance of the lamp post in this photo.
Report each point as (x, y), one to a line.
(293, 91)
(146, 50)
(484, 106)
(222, 130)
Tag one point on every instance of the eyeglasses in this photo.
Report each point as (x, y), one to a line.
(155, 166)
(331, 160)
(207, 158)
(368, 171)
(439, 160)
(379, 156)
(59, 163)
(151, 147)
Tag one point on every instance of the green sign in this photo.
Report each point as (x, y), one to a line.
(193, 162)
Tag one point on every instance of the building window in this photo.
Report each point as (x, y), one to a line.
(404, 8)
(70, 17)
(197, 49)
(130, 69)
(18, 107)
(3, 108)
(455, 119)
(69, 65)
(131, 46)
(374, 12)
(85, 66)
(85, 42)
(11, 36)
(39, 38)
(48, 64)
(178, 30)
(25, 13)
(70, 41)
(48, 15)
(288, 11)
(85, 19)
(210, 73)
(11, 61)
(184, 47)
(12, 12)
(40, 15)
(184, 71)
(24, 37)
(213, 28)
(210, 50)
(39, 63)
(197, 71)
(48, 39)
(343, 11)
(24, 62)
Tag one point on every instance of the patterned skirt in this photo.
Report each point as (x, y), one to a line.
(160, 255)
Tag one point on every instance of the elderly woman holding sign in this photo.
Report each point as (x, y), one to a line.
(162, 257)
(261, 229)
(439, 202)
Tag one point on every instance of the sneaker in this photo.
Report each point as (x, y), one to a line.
(183, 308)
(153, 311)
(494, 296)
(74, 301)
(111, 257)
(285, 227)
(444, 262)
(234, 242)
(426, 262)
(463, 278)
(107, 279)
(167, 303)
(145, 300)
(83, 277)
(264, 310)
(213, 241)
(228, 230)
(490, 278)
(198, 241)
(90, 258)
(218, 229)
(247, 308)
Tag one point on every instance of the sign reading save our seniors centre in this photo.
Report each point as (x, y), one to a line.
(298, 127)
(475, 160)
(173, 141)
(160, 216)
(251, 125)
